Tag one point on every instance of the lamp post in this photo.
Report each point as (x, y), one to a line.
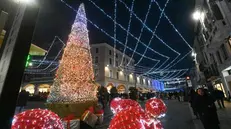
(13, 59)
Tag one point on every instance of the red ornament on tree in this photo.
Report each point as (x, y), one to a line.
(155, 108)
(37, 119)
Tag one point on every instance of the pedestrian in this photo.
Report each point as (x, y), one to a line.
(22, 100)
(192, 98)
(229, 96)
(204, 105)
(219, 97)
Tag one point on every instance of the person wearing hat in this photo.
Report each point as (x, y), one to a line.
(205, 106)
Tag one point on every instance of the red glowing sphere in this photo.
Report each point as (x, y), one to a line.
(37, 119)
(155, 107)
(130, 118)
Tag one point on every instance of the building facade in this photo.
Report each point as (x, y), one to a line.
(110, 72)
(212, 42)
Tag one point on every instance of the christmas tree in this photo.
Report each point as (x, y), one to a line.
(74, 78)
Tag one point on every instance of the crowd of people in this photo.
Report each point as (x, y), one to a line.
(203, 104)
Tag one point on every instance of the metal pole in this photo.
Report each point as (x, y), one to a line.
(13, 59)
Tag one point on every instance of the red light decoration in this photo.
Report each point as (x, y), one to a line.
(119, 104)
(155, 108)
(37, 119)
(130, 118)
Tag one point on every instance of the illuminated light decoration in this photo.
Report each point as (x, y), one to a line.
(176, 75)
(149, 28)
(73, 81)
(109, 34)
(130, 118)
(48, 51)
(125, 29)
(141, 32)
(115, 12)
(128, 29)
(37, 119)
(94, 24)
(153, 33)
(168, 21)
(173, 26)
(56, 57)
(179, 60)
(155, 108)
(28, 60)
(169, 76)
(118, 104)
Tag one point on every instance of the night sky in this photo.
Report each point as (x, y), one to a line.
(55, 18)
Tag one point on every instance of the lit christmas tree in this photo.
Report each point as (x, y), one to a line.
(74, 78)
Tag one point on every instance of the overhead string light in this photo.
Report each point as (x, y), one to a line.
(180, 59)
(124, 29)
(46, 53)
(56, 57)
(115, 31)
(169, 74)
(157, 36)
(141, 31)
(149, 29)
(153, 33)
(173, 25)
(128, 29)
(96, 26)
(176, 75)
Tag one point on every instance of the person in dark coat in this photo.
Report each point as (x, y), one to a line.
(192, 98)
(204, 105)
(219, 97)
(22, 100)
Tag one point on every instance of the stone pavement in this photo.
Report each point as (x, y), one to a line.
(223, 114)
(178, 116)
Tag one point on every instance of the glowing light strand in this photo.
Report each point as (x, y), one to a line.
(125, 29)
(115, 31)
(174, 76)
(46, 53)
(173, 26)
(141, 32)
(148, 27)
(128, 29)
(153, 33)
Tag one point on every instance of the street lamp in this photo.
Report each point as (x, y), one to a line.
(198, 15)
(24, 1)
